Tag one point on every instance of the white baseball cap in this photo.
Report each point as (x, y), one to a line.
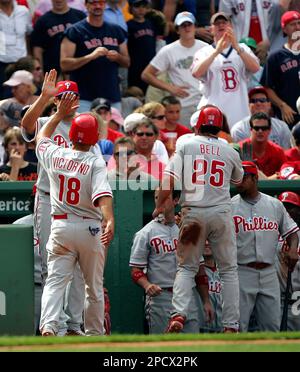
(298, 105)
(132, 120)
(184, 17)
(194, 118)
(20, 77)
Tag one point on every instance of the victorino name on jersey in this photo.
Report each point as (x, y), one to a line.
(258, 223)
(70, 165)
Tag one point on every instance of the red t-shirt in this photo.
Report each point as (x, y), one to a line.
(112, 135)
(292, 154)
(271, 161)
(180, 130)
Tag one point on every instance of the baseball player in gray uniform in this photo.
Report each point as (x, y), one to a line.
(258, 220)
(154, 250)
(31, 125)
(291, 201)
(80, 198)
(205, 166)
(215, 295)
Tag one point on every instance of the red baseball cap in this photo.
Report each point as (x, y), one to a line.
(249, 168)
(289, 197)
(288, 17)
(258, 89)
(66, 86)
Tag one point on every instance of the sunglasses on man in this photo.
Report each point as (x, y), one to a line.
(259, 100)
(257, 128)
(147, 134)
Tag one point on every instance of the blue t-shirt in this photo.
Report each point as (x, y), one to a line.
(48, 33)
(141, 37)
(98, 78)
(282, 74)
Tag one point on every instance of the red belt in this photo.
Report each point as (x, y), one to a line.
(257, 265)
(65, 217)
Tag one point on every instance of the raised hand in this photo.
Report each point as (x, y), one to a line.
(67, 104)
(223, 43)
(48, 89)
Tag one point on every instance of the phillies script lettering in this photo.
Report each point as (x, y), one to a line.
(254, 224)
(162, 246)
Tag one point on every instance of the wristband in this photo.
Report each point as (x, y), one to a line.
(137, 275)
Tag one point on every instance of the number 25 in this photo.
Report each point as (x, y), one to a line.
(216, 171)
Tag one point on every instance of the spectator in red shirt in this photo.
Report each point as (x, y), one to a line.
(173, 129)
(268, 156)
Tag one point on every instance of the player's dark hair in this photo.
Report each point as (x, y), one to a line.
(170, 100)
(209, 129)
(260, 116)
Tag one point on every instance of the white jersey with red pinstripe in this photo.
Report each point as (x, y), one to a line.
(77, 179)
(205, 166)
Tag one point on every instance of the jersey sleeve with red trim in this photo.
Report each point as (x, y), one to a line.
(140, 249)
(237, 171)
(44, 151)
(287, 225)
(175, 165)
(100, 185)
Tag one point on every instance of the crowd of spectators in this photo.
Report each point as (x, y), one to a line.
(163, 60)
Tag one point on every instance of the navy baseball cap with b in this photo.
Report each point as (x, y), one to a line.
(184, 17)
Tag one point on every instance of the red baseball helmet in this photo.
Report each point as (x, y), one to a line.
(84, 129)
(289, 197)
(210, 116)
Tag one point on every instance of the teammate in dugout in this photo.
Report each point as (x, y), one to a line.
(258, 220)
(154, 249)
(80, 198)
(205, 166)
(291, 201)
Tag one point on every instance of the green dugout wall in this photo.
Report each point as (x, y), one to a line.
(133, 208)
